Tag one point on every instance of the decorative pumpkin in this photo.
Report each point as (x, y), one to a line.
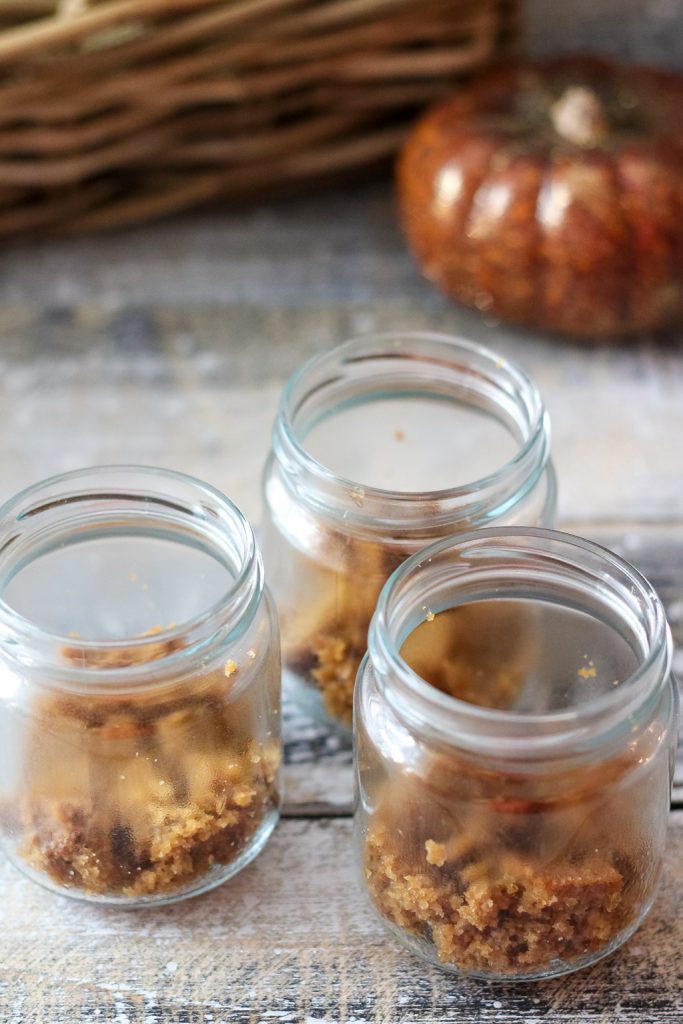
(551, 194)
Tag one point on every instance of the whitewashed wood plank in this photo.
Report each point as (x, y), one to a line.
(170, 344)
(291, 940)
(610, 464)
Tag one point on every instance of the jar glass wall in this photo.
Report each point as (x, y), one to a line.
(139, 686)
(381, 446)
(515, 748)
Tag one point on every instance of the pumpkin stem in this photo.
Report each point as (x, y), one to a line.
(579, 117)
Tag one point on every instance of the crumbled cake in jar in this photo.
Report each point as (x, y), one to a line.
(500, 876)
(479, 653)
(325, 636)
(512, 808)
(145, 792)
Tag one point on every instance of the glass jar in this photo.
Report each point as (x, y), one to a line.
(379, 447)
(139, 687)
(515, 748)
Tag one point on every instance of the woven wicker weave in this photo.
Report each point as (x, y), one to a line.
(113, 111)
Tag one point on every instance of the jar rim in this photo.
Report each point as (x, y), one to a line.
(478, 499)
(516, 733)
(217, 518)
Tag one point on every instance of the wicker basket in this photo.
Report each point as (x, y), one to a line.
(112, 111)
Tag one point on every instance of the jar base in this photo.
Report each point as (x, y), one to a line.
(220, 874)
(555, 969)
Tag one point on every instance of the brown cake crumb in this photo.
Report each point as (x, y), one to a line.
(474, 653)
(144, 793)
(335, 674)
(325, 637)
(436, 853)
(500, 885)
(480, 652)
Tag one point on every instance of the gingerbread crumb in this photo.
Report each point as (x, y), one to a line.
(325, 636)
(505, 875)
(436, 853)
(147, 792)
(478, 655)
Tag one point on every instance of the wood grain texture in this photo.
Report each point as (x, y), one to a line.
(318, 765)
(170, 346)
(293, 941)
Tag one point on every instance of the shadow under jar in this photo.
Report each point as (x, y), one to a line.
(511, 817)
(139, 687)
(379, 447)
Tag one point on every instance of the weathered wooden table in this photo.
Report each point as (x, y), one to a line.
(169, 345)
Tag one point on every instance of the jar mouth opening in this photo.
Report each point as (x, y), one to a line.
(94, 502)
(424, 363)
(513, 559)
